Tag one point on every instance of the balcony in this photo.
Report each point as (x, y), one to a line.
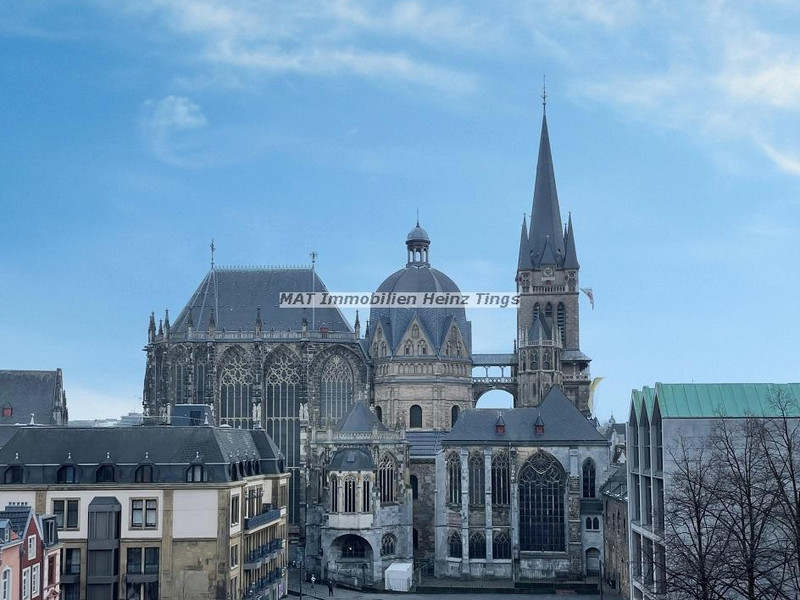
(261, 519)
(262, 555)
(258, 588)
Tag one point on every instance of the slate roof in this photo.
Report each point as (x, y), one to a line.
(29, 392)
(351, 459)
(359, 419)
(420, 277)
(563, 424)
(712, 400)
(17, 515)
(616, 485)
(545, 214)
(235, 295)
(424, 444)
(618, 428)
(171, 448)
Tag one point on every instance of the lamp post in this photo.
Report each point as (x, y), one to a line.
(300, 560)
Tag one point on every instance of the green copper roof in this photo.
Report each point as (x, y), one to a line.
(708, 400)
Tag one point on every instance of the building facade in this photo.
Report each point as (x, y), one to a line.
(661, 417)
(517, 494)
(615, 530)
(298, 370)
(159, 512)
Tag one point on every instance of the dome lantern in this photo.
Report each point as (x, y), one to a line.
(417, 244)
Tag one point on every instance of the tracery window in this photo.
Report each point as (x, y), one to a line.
(423, 348)
(334, 493)
(179, 380)
(200, 383)
(388, 544)
(407, 349)
(236, 393)
(415, 416)
(589, 473)
(548, 310)
(547, 359)
(386, 477)
(477, 545)
(501, 487)
(454, 545)
(350, 495)
(454, 478)
(534, 360)
(542, 486)
(476, 480)
(415, 331)
(354, 547)
(365, 495)
(282, 412)
(337, 389)
(501, 545)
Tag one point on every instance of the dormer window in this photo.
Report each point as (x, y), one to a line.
(538, 426)
(105, 474)
(8, 411)
(500, 429)
(67, 474)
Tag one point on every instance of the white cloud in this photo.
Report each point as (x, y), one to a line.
(786, 161)
(165, 119)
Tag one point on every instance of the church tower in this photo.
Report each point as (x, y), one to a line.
(548, 326)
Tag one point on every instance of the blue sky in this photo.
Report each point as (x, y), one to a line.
(134, 132)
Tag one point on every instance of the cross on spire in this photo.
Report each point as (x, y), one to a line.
(544, 93)
(213, 248)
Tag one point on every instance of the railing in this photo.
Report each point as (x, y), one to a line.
(547, 289)
(251, 335)
(262, 519)
(256, 558)
(494, 380)
(258, 587)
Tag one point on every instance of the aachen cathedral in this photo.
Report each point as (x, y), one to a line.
(390, 459)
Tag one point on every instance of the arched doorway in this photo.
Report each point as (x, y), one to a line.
(593, 562)
(351, 560)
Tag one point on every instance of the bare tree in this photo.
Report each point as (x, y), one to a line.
(780, 439)
(695, 535)
(746, 497)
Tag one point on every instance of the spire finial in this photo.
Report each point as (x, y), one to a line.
(417, 217)
(213, 248)
(544, 94)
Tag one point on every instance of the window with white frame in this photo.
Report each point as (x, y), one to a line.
(31, 547)
(26, 583)
(35, 578)
(6, 581)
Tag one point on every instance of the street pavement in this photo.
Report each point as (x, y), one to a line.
(320, 592)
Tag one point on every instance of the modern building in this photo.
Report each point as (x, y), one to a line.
(660, 417)
(517, 494)
(155, 512)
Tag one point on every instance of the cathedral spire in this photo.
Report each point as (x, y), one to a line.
(545, 215)
(151, 329)
(524, 262)
(571, 256)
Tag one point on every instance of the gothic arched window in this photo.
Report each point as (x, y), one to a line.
(589, 473)
(334, 493)
(388, 544)
(337, 389)
(477, 545)
(354, 546)
(282, 416)
(200, 383)
(236, 393)
(548, 311)
(501, 488)
(365, 495)
(542, 485)
(536, 310)
(561, 322)
(501, 546)
(454, 545)
(386, 476)
(415, 416)
(547, 359)
(476, 480)
(179, 380)
(350, 495)
(414, 487)
(415, 331)
(524, 362)
(379, 413)
(454, 478)
(454, 415)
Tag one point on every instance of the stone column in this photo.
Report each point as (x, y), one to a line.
(512, 465)
(487, 480)
(465, 512)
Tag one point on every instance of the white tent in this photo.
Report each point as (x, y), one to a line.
(398, 576)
